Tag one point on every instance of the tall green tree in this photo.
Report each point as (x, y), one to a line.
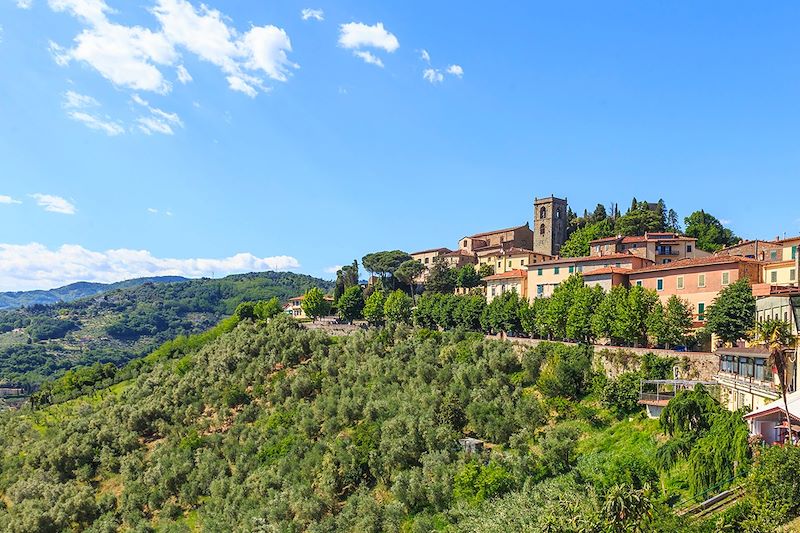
(677, 322)
(384, 265)
(266, 309)
(351, 304)
(314, 304)
(409, 272)
(467, 277)
(502, 314)
(398, 307)
(559, 306)
(441, 278)
(634, 313)
(639, 220)
(732, 314)
(711, 235)
(346, 277)
(579, 317)
(577, 245)
(607, 320)
(373, 308)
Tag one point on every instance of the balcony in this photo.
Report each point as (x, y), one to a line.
(749, 384)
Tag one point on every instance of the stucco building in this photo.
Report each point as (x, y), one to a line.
(505, 258)
(513, 280)
(785, 271)
(696, 281)
(660, 248)
(544, 277)
(518, 236)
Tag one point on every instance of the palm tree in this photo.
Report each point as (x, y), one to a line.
(777, 336)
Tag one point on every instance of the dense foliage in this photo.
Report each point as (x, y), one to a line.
(732, 315)
(268, 425)
(43, 341)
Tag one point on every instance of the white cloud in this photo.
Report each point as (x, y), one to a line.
(183, 75)
(433, 75)
(369, 57)
(77, 107)
(425, 56)
(358, 35)
(24, 4)
(54, 204)
(34, 266)
(332, 269)
(455, 70)
(152, 210)
(94, 122)
(158, 121)
(133, 56)
(309, 13)
(4, 199)
(75, 100)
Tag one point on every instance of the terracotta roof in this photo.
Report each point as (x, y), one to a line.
(513, 250)
(698, 261)
(460, 251)
(485, 233)
(742, 350)
(445, 250)
(607, 270)
(788, 239)
(779, 264)
(744, 243)
(506, 275)
(604, 239)
(655, 236)
(590, 258)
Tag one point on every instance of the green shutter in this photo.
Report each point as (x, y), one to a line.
(556, 270)
(571, 269)
(660, 284)
(701, 310)
(794, 252)
(539, 271)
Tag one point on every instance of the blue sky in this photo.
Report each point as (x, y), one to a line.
(288, 146)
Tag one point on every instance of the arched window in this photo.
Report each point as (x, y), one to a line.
(558, 213)
(542, 229)
(543, 212)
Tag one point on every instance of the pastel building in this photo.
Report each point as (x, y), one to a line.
(784, 272)
(696, 281)
(544, 277)
(427, 258)
(510, 281)
(660, 248)
(506, 258)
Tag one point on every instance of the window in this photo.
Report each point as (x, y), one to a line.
(792, 274)
(558, 213)
(427, 260)
(762, 372)
(701, 280)
(571, 269)
(556, 270)
(773, 276)
(509, 264)
(746, 367)
(726, 278)
(701, 312)
(539, 289)
(539, 272)
(679, 282)
(688, 248)
(618, 265)
(503, 288)
(543, 212)
(465, 243)
(660, 284)
(639, 283)
(773, 255)
(522, 262)
(493, 290)
(499, 264)
(580, 268)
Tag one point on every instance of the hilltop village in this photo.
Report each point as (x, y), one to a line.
(533, 260)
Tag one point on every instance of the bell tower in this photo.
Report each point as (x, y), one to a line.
(549, 225)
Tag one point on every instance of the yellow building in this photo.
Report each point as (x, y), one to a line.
(506, 258)
(784, 272)
(294, 307)
(544, 277)
(427, 258)
(511, 281)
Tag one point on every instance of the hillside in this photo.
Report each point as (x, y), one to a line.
(272, 427)
(119, 325)
(74, 291)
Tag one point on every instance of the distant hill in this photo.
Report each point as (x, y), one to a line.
(116, 326)
(74, 291)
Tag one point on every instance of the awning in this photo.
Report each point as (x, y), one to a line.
(777, 407)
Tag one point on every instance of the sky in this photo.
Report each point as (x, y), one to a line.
(176, 137)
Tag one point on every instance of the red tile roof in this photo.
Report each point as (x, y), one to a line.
(659, 236)
(607, 270)
(443, 250)
(591, 258)
(788, 239)
(485, 233)
(698, 261)
(513, 250)
(517, 273)
(460, 251)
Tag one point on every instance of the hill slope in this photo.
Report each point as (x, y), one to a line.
(74, 291)
(272, 427)
(117, 326)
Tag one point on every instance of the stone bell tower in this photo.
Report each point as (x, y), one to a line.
(549, 225)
